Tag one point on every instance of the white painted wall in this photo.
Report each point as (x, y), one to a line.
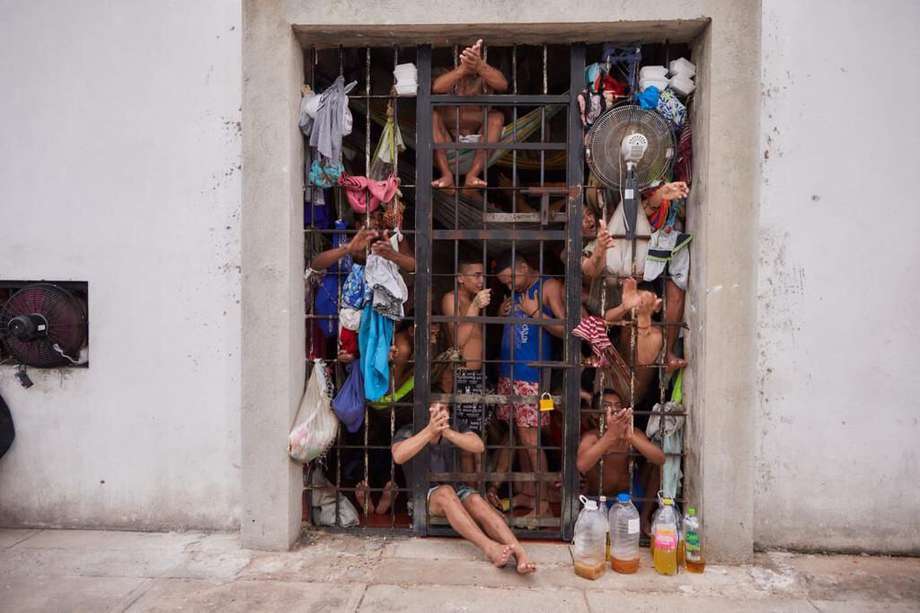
(120, 152)
(838, 422)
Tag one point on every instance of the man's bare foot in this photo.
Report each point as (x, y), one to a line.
(522, 501)
(474, 182)
(445, 182)
(499, 554)
(672, 363)
(386, 498)
(544, 511)
(524, 565)
(362, 494)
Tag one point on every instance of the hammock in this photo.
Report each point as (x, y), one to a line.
(525, 126)
(456, 210)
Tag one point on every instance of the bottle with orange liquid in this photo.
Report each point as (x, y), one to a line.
(665, 538)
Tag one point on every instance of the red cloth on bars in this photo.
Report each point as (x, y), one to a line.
(365, 195)
(593, 329)
(348, 341)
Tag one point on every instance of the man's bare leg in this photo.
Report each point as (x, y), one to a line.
(494, 525)
(444, 502)
(363, 496)
(494, 124)
(440, 134)
(502, 465)
(673, 314)
(538, 462)
(386, 498)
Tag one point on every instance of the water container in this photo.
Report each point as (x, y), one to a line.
(665, 538)
(624, 535)
(590, 541)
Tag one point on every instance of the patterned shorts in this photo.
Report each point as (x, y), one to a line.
(526, 414)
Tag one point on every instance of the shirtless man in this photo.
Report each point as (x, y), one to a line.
(466, 511)
(649, 338)
(471, 77)
(468, 299)
(613, 446)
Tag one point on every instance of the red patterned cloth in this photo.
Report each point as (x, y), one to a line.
(526, 414)
(593, 329)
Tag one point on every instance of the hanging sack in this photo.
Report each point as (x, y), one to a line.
(349, 402)
(315, 424)
(323, 502)
(7, 432)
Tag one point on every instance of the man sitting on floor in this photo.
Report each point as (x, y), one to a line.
(466, 511)
(471, 77)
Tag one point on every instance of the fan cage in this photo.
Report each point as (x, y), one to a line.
(607, 134)
(73, 337)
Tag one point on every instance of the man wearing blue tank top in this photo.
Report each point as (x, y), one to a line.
(533, 296)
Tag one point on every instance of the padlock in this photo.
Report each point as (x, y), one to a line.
(546, 402)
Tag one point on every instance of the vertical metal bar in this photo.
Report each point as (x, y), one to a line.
(367, 171)
(423, 271)
(574, 178)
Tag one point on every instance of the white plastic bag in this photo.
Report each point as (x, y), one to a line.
(316, 424)
(322, 501)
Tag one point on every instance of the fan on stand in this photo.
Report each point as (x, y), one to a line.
(630, 148)
(44, 326)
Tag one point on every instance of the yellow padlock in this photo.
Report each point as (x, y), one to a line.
(546, 402)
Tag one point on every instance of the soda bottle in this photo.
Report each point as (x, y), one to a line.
(693, 552)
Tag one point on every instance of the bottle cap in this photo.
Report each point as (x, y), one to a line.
(589, 504)
(602, 498)
(691, 511)
(667, 501)
(623, 498)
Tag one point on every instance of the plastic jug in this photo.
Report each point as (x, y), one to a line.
(590, 541)
(665, 537)
(624, 535)
(693, 551)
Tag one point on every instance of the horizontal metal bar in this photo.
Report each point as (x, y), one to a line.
(506, 234)
(509, 476)
(484, 319)
(521, 217)
(501, 146)
(486, 398)
(501, 100)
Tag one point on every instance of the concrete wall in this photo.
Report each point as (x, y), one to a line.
(120, 152)
(838, 419)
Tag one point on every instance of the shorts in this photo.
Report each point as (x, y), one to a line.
(463, 492)
(526, 414)
(471, 416)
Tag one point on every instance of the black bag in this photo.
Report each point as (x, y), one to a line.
(7, 432)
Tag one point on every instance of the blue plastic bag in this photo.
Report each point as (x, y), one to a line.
(349, 402)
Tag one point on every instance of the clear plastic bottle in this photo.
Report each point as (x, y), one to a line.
(590, 539)
(624, 535)
(664, 538)
(693, 551)
(602, 503)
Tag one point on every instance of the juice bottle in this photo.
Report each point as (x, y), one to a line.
(664, 538)
(624, 535)
(693, 547)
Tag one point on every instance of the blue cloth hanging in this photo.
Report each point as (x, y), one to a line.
(648, 98)
(327, 294)
(374, 340)
(349, 402)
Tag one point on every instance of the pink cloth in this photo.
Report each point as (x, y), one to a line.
(365, 195)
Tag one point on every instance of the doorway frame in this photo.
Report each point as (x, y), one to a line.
(725, 37)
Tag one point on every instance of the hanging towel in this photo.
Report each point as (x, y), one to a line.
(593, 329)
(365, 195)
(667, 430)
(668, 248)
(374, 340)
(388, 287)
(332, 121)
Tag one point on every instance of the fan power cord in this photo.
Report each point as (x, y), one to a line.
(57, 348)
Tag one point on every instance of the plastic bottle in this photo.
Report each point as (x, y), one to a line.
(624, 534)
(590, 536)
(693, 551)
(664, 537)
(602, 503)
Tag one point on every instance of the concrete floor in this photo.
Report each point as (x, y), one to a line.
(73, 570)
